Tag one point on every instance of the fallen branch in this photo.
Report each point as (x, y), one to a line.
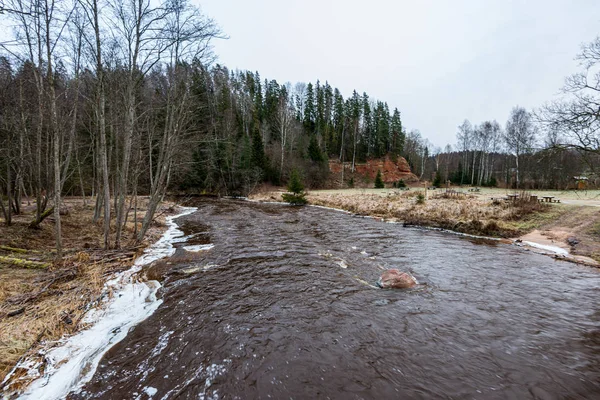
(19, 262)
(36, 222)
(63, 276)
(13, 249)
(16, 312)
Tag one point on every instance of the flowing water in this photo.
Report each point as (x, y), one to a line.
(283, 306)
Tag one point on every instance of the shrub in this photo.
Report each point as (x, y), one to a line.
(401, 184)
(420, 198)
(351, 182)
(378, 181)
(437, 181)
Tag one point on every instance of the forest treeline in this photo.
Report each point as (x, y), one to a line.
(111, 99)
(108, 99)
(522, 154)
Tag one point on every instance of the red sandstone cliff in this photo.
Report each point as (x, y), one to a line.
(390, 171)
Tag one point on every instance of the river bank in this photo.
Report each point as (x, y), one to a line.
(572, 225)
(44, 300)
(285, 305)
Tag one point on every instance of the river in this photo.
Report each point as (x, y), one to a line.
(283, 306)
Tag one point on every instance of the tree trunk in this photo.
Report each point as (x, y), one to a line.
(517, 158)
(8, 193)
(354, 150)
(101, 113)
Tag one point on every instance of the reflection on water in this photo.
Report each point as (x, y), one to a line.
(284, 306)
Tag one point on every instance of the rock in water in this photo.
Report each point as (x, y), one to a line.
(394, 279)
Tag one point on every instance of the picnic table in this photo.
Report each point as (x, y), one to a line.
(512, 196)
(474, 190)
(550, 199)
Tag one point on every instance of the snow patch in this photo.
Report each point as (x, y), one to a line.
(199, 247)
(150, 391)
(73, 363)
(553, 249)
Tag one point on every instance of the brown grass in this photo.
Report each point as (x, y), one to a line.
(52, 301)
(461, 212)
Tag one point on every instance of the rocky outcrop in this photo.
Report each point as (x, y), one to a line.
(391, 171)
(394, 279)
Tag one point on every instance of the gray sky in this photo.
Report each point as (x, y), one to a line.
(438, 61)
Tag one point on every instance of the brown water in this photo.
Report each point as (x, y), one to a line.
(270, 312)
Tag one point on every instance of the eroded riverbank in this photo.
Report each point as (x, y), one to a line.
(283, 305)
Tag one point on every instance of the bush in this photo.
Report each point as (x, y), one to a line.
(492, 182)
(437, 181)
(351, 182)
(295, 186)
(378, 181)
(401, 184)
(420, 198)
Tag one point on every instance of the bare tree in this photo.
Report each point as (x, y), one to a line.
(284, 119)
(187, 36)
(464, 136)
(577, 114)
(520, 135)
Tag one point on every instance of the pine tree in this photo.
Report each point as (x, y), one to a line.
(397, 133)
(314, 151)
(297, 196)
(379, 181)
(437, 181)
(259, 158)
(309, 109)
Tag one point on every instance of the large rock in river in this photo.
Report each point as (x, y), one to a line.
(394, 279)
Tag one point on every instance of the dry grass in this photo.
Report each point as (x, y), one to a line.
(462, 212)
(49, 303)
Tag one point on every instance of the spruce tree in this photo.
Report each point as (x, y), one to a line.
(379, 181)
(314, 151)
(397, 134)
(437, 181)
(297, 196)
(309, 109)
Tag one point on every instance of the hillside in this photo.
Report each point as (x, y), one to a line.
(364, 173)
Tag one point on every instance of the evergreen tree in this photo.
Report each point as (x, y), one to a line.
(314, 151)
(297, 196)
(259, 159)
(338, 122)
(397, 134)
(258, 103)
(437, 181)
(367, 125)
(309, 109)
(320, 112)
(379, 181)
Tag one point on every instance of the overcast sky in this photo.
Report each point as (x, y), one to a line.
(438, 61)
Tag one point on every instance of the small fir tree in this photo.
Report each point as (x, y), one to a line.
(378, 181)
(401, 183)
(297, 196)
(437, 181)
(314, 151)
